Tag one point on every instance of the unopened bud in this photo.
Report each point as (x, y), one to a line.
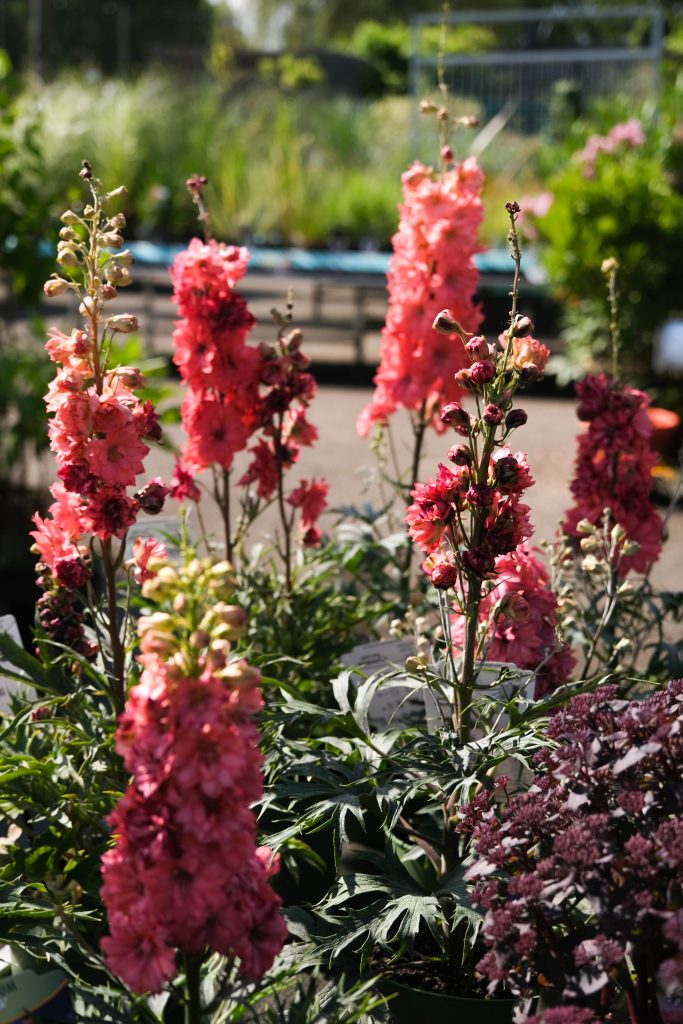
(124, 323)
(115, 193)
(447, 154)
(585, 526)
(522, 326)
(107, 292)
(515, 418)
(125, 258)
(445, 323)
(112, 239)
(515, 607)
(427, 107)
(67, 258)
(609, 266)
(117, 222)
(241, 674)
(55, 286)
(460, 455)
(85, 171)
(69, 217)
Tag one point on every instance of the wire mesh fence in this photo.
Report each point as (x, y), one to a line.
(534, 69)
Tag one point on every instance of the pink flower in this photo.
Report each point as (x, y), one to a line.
(216, 432)
(118, 457)
(183, 487)
(311, 499)
(144, 550)
(138, 954)
(524, 640)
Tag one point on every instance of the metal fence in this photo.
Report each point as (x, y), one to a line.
(535, 67)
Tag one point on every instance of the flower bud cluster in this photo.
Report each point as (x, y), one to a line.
(185, 874)
(613, 470)
(432, 267)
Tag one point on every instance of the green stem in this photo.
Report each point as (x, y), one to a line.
(193, 1006)
(419, 428)
(118, 654)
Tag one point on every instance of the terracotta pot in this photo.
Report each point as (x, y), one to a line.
(666, 430)
(415, 1006)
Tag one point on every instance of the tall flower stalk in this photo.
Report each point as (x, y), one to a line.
(185, 877)
(469, 516)
(98, 429)
(240, 394)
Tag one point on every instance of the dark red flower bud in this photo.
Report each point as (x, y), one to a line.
(482, 372)
(515, 418)
(513, 207)
(460, 455)
(506, 470)
(152, 496)
(529, 373)
(481, 495)
(479, 561)
(455, 416)
(447, 154)
(444, 575)
(72, 573)
(493, 414)
(478, 347)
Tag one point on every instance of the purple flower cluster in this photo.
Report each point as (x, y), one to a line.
(585, 869)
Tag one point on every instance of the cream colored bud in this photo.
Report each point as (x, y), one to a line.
(427, 107)
(115, 193)
(55, 286)
(156, 620)
(589, 543)
(118, 275)
(240, 673)
(590, 564)
(415, 664)
(180, 602)
(631, 547)
(107, 292)
(67, 258)
(609, 266)
(68, 235)
(88, 211)
(69, 217)
(90, 306)
(618, 533)
(125, 258)
(124, 323)
(585, 526)
(117, 222)
(112, 239)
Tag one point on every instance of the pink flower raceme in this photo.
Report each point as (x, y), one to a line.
(98, 430)
(613, 468)
(220, 369)
(628, 133)
(524, 631)
(185, 872)
(431, 268)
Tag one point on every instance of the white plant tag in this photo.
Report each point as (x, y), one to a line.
(397, 703)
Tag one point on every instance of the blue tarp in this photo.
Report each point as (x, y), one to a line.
(493, 261)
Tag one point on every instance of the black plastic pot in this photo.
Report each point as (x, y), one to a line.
(415, 1006)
